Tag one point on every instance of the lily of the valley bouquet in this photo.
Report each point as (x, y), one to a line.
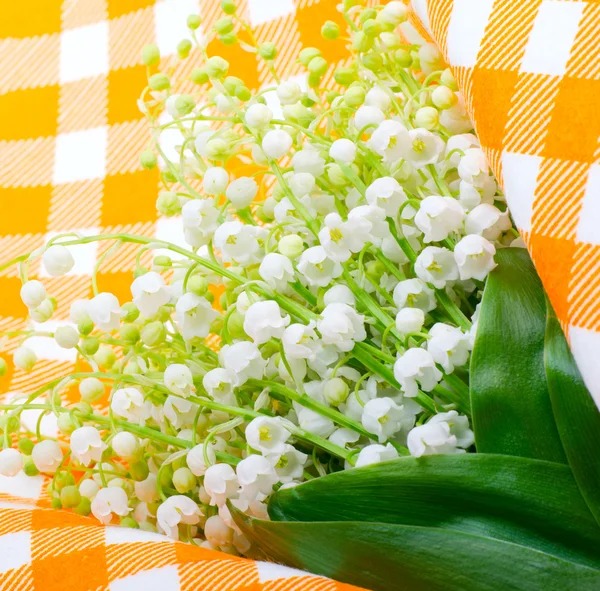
(309, 373)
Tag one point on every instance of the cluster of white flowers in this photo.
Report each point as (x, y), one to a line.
(341, 274)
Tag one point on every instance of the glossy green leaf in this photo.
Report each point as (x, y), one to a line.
(386, 557)
(510, 403)
(576, 414)
(528, 502)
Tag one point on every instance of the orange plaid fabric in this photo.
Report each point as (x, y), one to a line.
(530, 74)
(71, 132)
(42, 549)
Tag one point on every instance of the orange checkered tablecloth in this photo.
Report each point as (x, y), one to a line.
(530, 73)
(70, 138)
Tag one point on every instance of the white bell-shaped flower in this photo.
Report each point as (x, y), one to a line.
(416, 367)
(474, 256)
(343, 150)
(200, 220)
(414, 293)
(11, 462)
(108, 501)
(58, 260)
(277, 270)
(125, 444)
(443, 434)
(301, 183)
(179, 411)
(340, 239)
(373, 224)
(146, 490)
(436, 265)
(389, 140)
(220, 483)
(243, 360)
(33, 293)
(384, 418)
(219, 383)
(342, 326)
(196, 461)
(375, 453)
(215, 180)
(422, 148)
(150, 293)
(241, 192)
(487, 221)
(315, 423)
(276, 143)
(300, 342)
(87, 445)
(258, 116)
(410, 320)
(218, 533)
(256, 476)
(386, 193)
(289, 465)
(263, 321)
(175, 510)
(267, 435)
(308, 160)
(469, 197)
(194, 316)
(178, 379)
(377, 97)
(316, 268)
(129, 404)
(288, 92)
(237, 242)
(367, 117)
(448, 346)
(89, 488)
(105, 311)
(339, 294)
(438, 217)
(47, 456)
(473, 167)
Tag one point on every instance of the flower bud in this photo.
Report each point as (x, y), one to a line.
(224, 25)
(29, 467)
(47, 456)
(85, 326)
(70, 496)
(66, 337)
(289, 92)
(361, 42)
(410, 320)
(168, 204)
(65, 423)
(90, 345)
(228, 6)
(228, 39)
(43, 312)
(199, 76)
(393, 13)
(153, 334)
(217, 67)
(276, 143)
(105, 357)
(343, 150)
(11, 462)
(24, 358)
(372, 61)
(427, 117)
(183, 48)
(197, 284)
(317, 66)
(307, 54)
(268, 51)
(403, 58)
(291, 246)
(355, 96)
(25, 445)
(33, 293)
(336, 391)
(150, 55)
(390, 40)
(443, 98)
(344, 76)
(194, 21)
(184, 104)
(330, 30)
(336, 175)
(184, 481)
(217, 149)
(258, 116)
(243, 93)
(90, 389)
(148, 159)
(129, 312)
(125, 444)
(159, 82)
(57, 260)
(241, 192)
(139, 470)
(447, 79)
(215, 180)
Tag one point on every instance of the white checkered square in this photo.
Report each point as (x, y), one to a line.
(467, 27)
(80, 155)
(157, 579)
(263, 11)
(83, 52)
(520, 177)
(15, 550)
(170, 18)
(589, 218)
(551, 40)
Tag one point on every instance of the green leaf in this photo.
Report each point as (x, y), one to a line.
(385, 557)
(528, 502)
(576, 414)
(510, 403)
